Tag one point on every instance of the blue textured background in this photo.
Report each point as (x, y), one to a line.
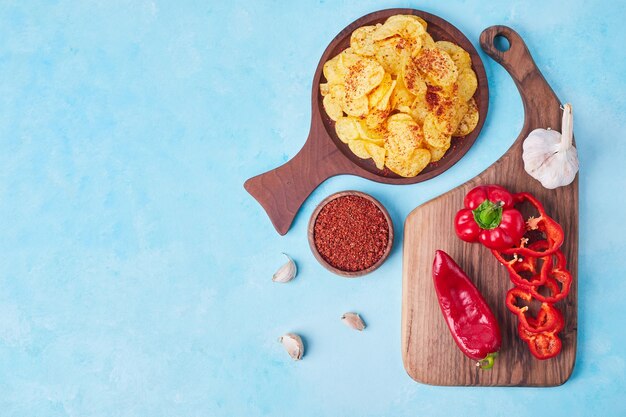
(135, 272)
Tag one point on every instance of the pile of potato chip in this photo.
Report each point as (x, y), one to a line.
(398, 97)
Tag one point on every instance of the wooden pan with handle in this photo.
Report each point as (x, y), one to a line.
(282, 191)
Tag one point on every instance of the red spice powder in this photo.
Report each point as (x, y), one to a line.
(351, 233)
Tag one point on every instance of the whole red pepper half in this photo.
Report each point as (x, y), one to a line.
(489, 217)
(472, 324)
(553, 231)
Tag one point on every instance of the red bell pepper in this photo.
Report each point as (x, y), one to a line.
(471, 322)
(544, 345)
(548, 226)
(490, 218)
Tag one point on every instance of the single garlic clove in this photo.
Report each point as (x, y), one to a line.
(353, 320)
(293, 345)
(287, 272)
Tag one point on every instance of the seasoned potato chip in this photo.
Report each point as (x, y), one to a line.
(347, 129)
(419, 109)
(376, 118)
(362, 77)
(400, 117)
(433, 136)
(357, 107)
(332, 107)
(331, 71)
(377, 153)
(324, 89)
(422, 22)
(427, 41)
(358, 148)
(380, 91)
(390, 53)
(405, 26)
(437, 153)
(411, 166)
(403, 135)
(437, 66)
(401, 98)
(469, 121)
(346, 59)
(375, 135)
(412, 78)
(467, 83)
(362, 40)
(460, 57)
(448, 115)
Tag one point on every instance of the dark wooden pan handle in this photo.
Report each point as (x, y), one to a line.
(537, 95)
(282, 191)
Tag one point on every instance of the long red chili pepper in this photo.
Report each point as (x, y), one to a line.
(472, 323)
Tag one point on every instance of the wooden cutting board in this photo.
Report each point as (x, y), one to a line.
(429, 352)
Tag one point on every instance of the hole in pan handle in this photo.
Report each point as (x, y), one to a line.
(506, 47)
(282, 190)
(519, 63)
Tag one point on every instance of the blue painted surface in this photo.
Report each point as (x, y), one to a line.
(135, 270)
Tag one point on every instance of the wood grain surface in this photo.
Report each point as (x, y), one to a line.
(429, 352)
(282, 191)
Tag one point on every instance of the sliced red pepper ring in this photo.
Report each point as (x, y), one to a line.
(548, 226)
(558, 280)
(549, 318)
(556, 293)
(544, 345)
(511, 300)
(528, 265)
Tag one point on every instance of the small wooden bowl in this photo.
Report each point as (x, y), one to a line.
(318, 256)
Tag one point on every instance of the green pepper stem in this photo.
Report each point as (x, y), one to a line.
(489, 214)
(487, 361)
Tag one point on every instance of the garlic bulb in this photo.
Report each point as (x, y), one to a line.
(293, 345)
(549, 156)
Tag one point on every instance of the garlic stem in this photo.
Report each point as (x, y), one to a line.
(567, 128)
